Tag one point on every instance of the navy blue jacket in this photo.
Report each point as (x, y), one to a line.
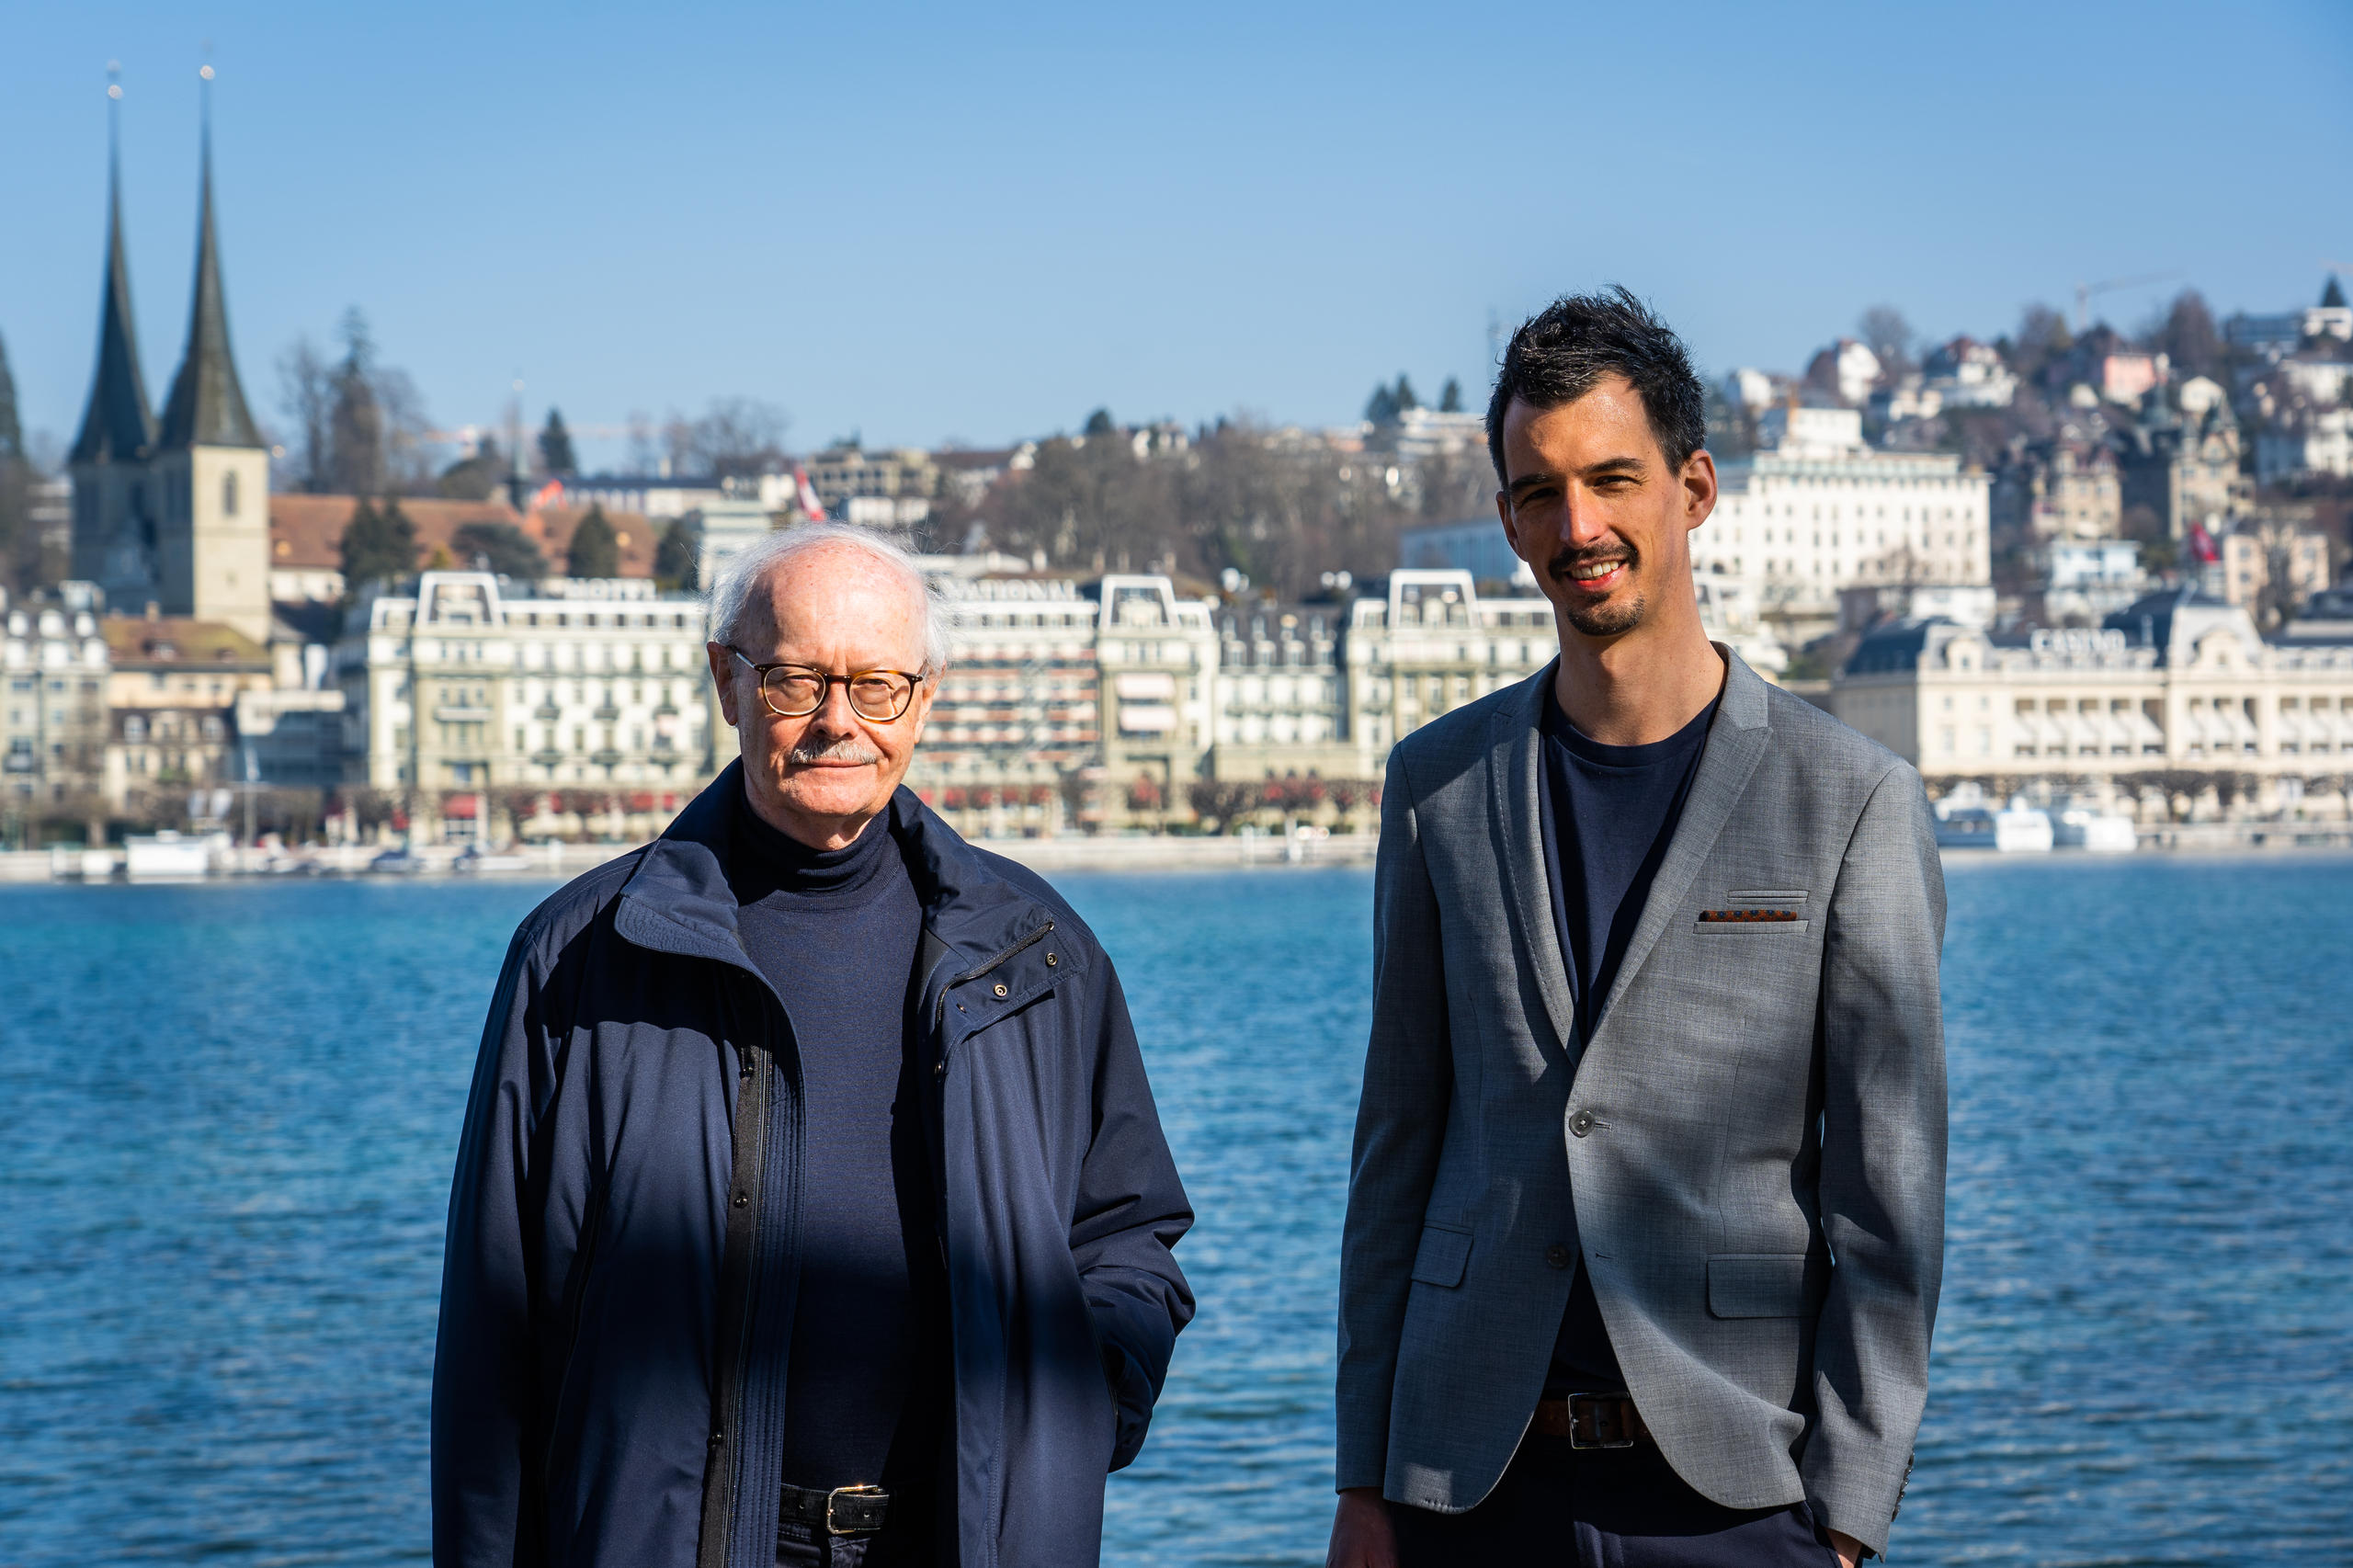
(617, 1295)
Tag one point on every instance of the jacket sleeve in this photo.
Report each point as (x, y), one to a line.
(482, 1376)
(1882, 1176)
(1131, 1210)
(1401, 1128)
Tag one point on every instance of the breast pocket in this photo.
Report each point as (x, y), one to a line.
(1444, 1254)
(1752, 928)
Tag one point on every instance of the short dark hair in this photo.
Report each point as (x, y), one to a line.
(1558, 354)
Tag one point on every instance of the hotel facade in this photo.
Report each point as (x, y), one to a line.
(2178, 683)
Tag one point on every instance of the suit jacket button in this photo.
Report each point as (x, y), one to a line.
(1581, 1123)
(1556, 1255)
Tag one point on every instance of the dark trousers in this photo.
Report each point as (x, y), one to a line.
(1605, 1508)
(808, 1546)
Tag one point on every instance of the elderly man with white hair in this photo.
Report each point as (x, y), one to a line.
(812, 1206)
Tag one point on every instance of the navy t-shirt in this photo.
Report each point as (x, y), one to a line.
(1609, 814)
(836, 932)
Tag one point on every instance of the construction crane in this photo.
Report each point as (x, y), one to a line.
(2083, 293)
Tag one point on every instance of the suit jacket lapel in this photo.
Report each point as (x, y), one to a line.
(1514, 752)
(1735, 746)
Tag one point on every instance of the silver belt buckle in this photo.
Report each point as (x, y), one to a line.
(1625, 1438)
(835, 1495)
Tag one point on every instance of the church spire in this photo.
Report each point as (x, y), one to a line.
(208, 404)
(119, 423)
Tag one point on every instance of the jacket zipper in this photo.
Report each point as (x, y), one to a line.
(754, 1103)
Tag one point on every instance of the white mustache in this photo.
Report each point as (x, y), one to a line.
(845, 749)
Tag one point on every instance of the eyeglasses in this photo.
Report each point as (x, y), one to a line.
(795, 691)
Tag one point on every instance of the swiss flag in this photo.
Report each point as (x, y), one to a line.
(811, 507)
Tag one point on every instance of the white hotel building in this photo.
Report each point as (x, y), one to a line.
(1820, 510)
(595, 684)
(2176, 682)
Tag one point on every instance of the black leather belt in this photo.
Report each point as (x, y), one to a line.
(845, 1510)
(1592, 1421)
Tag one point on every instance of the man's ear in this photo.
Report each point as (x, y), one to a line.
(723, 676)
(1698, 488)
(1511, 527)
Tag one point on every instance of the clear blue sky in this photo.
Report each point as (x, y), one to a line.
(926, 223)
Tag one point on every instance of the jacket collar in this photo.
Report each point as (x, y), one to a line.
(1736, 743)
(678, 901)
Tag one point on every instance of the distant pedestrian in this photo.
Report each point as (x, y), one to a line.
(1645, 1221)
(812, 1207)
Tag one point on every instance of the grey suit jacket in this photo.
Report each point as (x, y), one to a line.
(1750, 1150)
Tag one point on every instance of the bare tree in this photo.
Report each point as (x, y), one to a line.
(356, 420)
(1888, 336)
(306, 394)
(359, 426)
(408, 460)
(2041, 336)
(738, 437)
(2187, 336)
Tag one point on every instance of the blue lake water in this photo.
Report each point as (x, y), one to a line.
(227, 1115)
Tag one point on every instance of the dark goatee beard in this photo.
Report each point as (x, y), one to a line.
(1615, 619)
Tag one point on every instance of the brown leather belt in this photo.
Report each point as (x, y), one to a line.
(1592, 1421)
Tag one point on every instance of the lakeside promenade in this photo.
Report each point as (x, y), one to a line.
(1075, 852)
(1113, 853)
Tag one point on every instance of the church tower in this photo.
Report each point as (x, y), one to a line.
(212, 468)
(115, 505)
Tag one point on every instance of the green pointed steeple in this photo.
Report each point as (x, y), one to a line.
(119, 423)
(208, 405)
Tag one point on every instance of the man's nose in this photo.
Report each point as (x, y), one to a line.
(1583, 522)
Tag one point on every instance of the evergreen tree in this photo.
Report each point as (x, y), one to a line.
(1450, 397)
(555, 446)
(1381, 408)
(1405, 394)
(17, 541)
(676, 558)
(356, 420)
(378, 546)
(499, 547)
(596, 551)
(12, 432)
(1099, 423)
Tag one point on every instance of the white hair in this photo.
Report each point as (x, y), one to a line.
(732, 592)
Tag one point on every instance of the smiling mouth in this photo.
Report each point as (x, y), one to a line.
(1594, 574)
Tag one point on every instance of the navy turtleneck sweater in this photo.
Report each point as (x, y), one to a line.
(836, 932)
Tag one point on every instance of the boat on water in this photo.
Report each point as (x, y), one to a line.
(169, 856)
(2101, 833)
(1965, 820)
(2013, 831)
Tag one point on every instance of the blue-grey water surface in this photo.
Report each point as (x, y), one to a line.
(227, 1115)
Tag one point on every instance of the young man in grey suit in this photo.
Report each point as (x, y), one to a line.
(1645, 1216)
